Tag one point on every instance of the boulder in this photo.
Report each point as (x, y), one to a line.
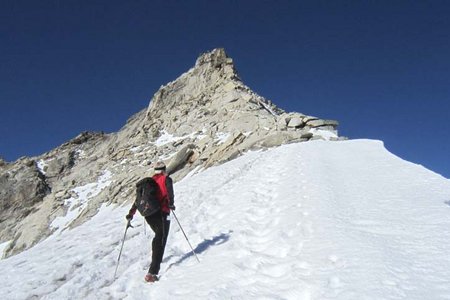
(307, 119)
(181, 159)
(319, 123)
(295, 122)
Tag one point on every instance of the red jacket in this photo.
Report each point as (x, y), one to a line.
(165, 193)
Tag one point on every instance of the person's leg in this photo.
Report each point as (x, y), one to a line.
(166, 227)
(160, 227)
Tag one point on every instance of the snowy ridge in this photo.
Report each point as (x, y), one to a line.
(317, 220)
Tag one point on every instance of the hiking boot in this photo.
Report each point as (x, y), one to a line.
(151, 278)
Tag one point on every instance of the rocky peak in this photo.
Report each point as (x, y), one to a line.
(211, 114)
(204, 117)
(210, 70)
(216, 58)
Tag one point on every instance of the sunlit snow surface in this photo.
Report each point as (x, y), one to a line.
(316, 220)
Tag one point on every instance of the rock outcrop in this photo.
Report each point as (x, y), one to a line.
(205, 117)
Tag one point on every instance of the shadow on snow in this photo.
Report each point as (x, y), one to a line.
(202, 247)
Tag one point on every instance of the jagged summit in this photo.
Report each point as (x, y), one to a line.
(210, 70)
(217, 58)
(203, 118)
(212, 97)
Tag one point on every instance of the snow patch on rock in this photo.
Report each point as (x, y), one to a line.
(77, 203)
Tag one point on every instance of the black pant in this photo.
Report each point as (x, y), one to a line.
(160, 226)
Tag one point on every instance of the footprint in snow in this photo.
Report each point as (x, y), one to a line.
(334, 282)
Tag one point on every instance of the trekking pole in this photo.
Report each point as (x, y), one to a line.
(123, 241)
(145, 230)
(185, 235)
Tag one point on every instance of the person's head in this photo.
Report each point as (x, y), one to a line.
(160, 167)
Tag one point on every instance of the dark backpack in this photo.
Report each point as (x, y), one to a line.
(147, 202)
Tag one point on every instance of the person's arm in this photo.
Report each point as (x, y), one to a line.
(131, 212)
(170, 194)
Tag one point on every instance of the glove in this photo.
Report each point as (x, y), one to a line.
(172, 207)
(129, 217)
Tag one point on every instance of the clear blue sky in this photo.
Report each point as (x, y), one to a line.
(381, 68)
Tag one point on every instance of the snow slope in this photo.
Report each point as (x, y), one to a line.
(316, 220)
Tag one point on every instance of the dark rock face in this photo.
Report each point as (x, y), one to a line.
(22, 188)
